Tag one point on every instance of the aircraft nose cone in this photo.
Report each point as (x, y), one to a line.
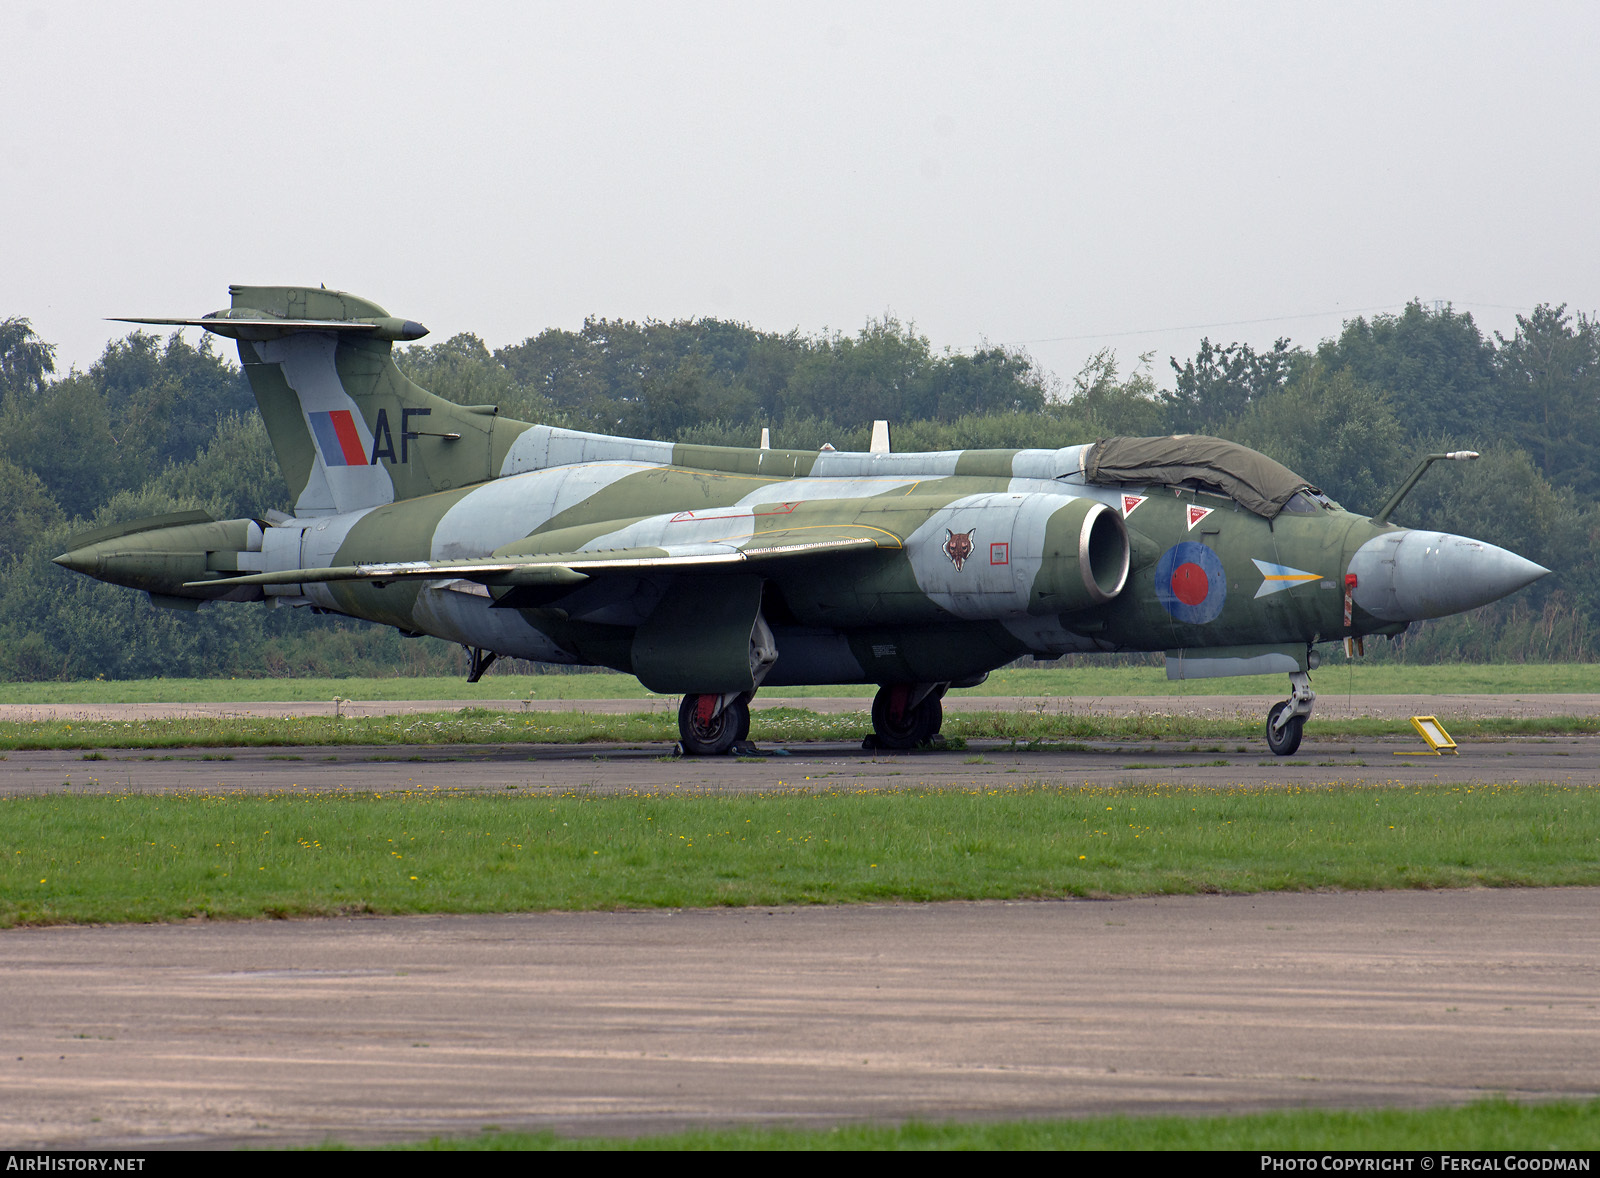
(1406, 576)
(78, 560)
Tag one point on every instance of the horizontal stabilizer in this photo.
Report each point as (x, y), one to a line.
(266, 327)
(212, 323)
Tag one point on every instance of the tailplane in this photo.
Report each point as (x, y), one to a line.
(349, 429)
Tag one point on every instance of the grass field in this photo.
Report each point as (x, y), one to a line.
(1487, 1125)
(770, 726)
(1336, 677)
(109, 858)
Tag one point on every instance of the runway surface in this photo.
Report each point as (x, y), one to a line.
(383, 1029)
(1569, 760)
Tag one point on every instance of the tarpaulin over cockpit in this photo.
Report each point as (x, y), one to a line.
(1249, 478)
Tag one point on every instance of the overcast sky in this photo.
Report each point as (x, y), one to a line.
(1058, 176)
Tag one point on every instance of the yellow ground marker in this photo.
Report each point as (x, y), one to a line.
(1433, 732)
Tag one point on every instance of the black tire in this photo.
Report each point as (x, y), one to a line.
(716, 737)
(914, 726)
(1283, 742)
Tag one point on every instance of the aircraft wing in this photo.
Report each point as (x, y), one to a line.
(554, 569)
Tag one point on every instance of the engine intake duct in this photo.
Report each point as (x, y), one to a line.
(1086, 559)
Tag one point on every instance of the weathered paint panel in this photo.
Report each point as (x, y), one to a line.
(541, 447)
(979, 556)
(506, 510)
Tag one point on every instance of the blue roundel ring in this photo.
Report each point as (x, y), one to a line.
(1190, 583)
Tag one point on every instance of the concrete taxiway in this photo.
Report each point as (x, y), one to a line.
(364, 1030)
(653, 768)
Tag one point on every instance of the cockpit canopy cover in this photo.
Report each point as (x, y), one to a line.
(1249, 478)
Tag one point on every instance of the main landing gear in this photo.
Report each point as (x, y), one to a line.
(905, 715)
(1287, 719)
(711, 724)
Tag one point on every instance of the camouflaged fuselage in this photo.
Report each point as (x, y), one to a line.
(904, 610)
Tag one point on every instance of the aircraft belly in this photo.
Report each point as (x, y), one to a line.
(806, 657)
(889, 654)
(446, 611)
(1049, 636)
(614, 601)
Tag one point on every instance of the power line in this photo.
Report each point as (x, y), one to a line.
(1062, 339)
(1438, 305)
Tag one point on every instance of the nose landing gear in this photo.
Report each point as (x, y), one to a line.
(1287, 719)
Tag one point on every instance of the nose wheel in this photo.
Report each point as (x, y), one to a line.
(1287, 720)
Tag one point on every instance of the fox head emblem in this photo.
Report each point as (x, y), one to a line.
(958, 546)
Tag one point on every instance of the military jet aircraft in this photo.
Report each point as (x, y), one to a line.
(712, 571)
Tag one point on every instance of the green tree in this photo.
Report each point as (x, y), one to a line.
(877, 373)
(26, 511)
(1336, 431)
(1110, 407)
(1550, 371)
(63, 434)
(25, 359)
(687, 395)
(235, 475)
(1435, 367)
(1221, 383)
(601, 375)
(167, 400)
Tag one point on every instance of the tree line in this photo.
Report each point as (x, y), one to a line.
(159, 425)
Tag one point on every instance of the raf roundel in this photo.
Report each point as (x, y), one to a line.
(1190, 583)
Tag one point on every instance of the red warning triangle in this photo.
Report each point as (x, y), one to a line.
(1197, 513)
(1129, 502)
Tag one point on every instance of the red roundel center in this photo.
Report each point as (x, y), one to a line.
(1190, 584)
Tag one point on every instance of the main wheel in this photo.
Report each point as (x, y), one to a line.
(705, 735)
(899, 727)
(1284, 741)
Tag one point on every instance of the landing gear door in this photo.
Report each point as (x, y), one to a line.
(707, 635)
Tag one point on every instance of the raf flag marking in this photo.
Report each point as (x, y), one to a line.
(338, 438)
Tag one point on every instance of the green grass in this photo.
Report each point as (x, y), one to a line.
(769, 726)
(1485, 1125)
(1335, 677)
(107, 858)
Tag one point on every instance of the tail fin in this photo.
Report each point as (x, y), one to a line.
(349, 429)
